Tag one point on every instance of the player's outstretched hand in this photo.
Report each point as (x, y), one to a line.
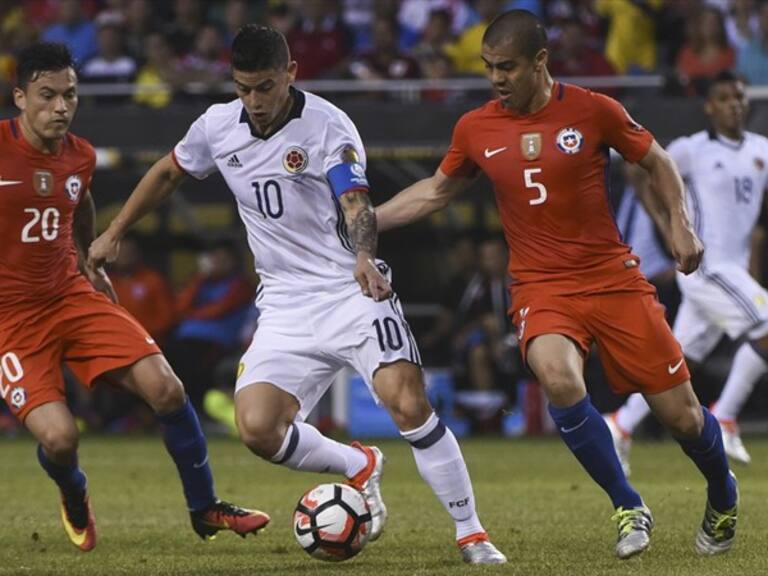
(104, 249)
(372, 282)
(686, 248)
(101, 282)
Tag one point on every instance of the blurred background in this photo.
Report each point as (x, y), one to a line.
(405, 71)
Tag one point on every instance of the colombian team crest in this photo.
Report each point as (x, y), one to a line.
(295, 160)
(530, 145)
(42, 180)
(73, 186)
(18, 397)
(569, 140)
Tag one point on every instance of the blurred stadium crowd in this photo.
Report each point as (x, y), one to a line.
(170, 51)
(169, 47)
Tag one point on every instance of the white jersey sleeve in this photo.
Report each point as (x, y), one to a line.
(679, 150)
(193, 154)
(340, 136)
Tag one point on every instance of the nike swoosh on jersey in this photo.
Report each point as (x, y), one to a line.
(672, 369)
(304, 531)
(10, 182)
(490, 153)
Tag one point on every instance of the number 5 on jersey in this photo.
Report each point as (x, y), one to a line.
(540, 188)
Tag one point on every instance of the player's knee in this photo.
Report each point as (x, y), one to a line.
(408, 406)
(167, 393)
(261, 435)
(562, 386)
(687, 423)
(60, 442)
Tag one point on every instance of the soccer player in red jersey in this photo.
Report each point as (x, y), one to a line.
(53, 308)
(544, 146)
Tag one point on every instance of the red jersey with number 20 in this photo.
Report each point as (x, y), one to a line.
(549, 171)
(38, 197)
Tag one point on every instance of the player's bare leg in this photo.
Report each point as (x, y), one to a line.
(266, 420)
(400, 386)
(54, 428)
(558, 365)
(152, 379)
(699, 435)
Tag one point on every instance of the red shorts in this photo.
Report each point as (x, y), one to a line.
(85, 330)
(634, 340)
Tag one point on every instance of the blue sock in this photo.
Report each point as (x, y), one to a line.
(69, 478)
(187, 446)
(708, 454)
(584, 431)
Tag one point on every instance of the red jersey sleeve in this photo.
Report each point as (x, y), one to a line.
(619, 130)
(457, 162)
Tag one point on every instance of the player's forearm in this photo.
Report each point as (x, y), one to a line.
(157, 184)
(361, 222)
(414, 203)
(668, 193)
(84, 225)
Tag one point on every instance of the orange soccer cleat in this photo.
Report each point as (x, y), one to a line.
(78, 520)
(222, 515)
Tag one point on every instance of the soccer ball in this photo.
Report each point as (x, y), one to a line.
(332, 522)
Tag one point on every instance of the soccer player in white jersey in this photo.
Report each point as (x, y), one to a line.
(725, 170)
(296, 166)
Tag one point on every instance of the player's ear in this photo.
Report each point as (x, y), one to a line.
(541, 59)
(293, 68)
(19, 98)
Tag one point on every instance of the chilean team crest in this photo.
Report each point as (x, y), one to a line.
(569, 140)
(42, 180)
(530, 145)
(73, 186)
(295, 160)
(18, 397)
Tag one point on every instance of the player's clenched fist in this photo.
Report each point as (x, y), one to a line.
(372, 282)
(686, 248)
(104, 249)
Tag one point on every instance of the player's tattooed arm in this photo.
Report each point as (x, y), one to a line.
(361, 224)
(84, 232)
(361, 221)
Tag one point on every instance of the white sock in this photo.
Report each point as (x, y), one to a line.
(439, 460)
(748, 367)
(633, 412)
(304, 448)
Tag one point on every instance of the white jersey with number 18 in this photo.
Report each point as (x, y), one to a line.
(285, 189)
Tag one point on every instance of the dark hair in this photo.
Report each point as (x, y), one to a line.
(259, 48)
(723, 77)
(520, 28)
(42, 57)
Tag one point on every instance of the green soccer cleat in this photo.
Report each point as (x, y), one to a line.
(718, 529)
(634, 526)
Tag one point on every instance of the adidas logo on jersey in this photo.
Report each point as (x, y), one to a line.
(234, 162)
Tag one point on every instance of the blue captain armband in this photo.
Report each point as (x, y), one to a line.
(347, 176)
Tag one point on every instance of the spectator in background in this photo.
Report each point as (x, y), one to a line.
(71, 28)
(237, 14)
(384, 61)
(140, 22)
(465, 52)
(143, 291)
(212, 308)
(753, 58)
(320, 41)
(206, 64)
(436, 36)
(159, 76)
(707, 52)
(189, 17)
(414, 15)
(280, 17)
(742, 23)
(572, 56)
(630, 44)
(671, 30)
(112, 62)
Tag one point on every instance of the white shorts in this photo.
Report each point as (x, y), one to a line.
(717, 300)
(301, 347)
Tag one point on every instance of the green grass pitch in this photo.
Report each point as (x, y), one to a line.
(538, 505)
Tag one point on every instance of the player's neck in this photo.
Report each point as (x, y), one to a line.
(279, 119)
(736, 134)
(40, 144)
(540, 97)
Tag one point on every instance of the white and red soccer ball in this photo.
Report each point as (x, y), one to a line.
(332, 522)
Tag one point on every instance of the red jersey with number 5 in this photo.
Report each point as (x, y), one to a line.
(38, 197)
(549, 172)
